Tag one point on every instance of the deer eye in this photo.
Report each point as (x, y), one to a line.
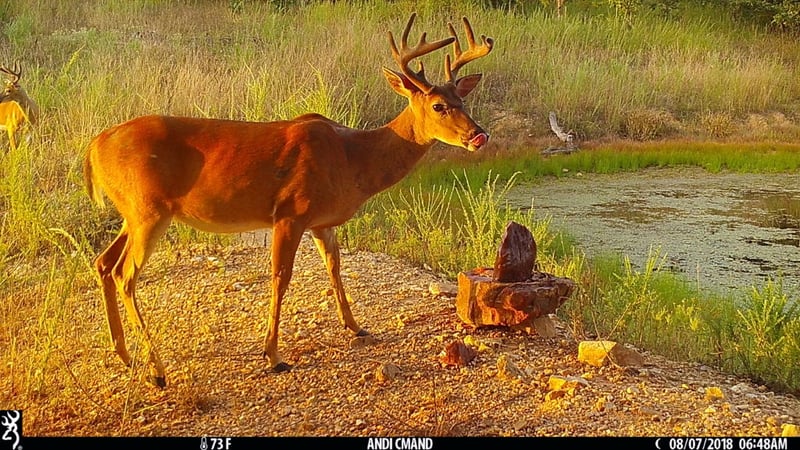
(438, 107)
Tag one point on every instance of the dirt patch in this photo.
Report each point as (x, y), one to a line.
(207, 307)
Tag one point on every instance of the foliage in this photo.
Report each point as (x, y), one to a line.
(782, 14)
(758, 336)
(766, 344)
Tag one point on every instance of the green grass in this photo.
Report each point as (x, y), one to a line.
(616, 157)
(754, 334)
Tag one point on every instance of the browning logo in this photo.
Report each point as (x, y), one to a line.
(11, 426)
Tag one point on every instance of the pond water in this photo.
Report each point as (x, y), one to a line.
(721, 231)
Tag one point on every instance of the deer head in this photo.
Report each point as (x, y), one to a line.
(439, 109)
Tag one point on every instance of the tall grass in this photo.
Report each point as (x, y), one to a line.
(96, 63)
(755, 333)
(446, 228)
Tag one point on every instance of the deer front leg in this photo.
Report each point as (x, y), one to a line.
(325, 239)
(286, 235)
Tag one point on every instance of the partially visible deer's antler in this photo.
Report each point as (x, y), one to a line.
(472, 53)
(14, 75)
(405, 55)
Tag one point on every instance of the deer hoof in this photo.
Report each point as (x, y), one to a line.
(281, 367)
(362, 339)
(160, 382)
(362, 332)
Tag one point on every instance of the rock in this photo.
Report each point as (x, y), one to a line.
(443, 289)
(649, 412)
(598, 353)
(516, 256)
(457, 354)
(387, 372)
(561, 383)
(544, 327)
(507, 369)
(633, 390)
(714, 393)
(481, 345)
(741, 388)
(481, 301)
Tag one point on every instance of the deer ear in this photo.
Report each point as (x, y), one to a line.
(400, 83)
(465, 85)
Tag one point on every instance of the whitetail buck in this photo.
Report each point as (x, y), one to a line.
(309, 173)
(17, 110)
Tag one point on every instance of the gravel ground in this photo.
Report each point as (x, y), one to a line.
(207, 307)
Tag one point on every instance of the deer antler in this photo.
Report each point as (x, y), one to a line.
(474, 51)
(405, 55)
(14, 74)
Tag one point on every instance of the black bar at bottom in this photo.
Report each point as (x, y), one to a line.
(410, 443)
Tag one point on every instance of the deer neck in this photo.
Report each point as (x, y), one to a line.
(389, 153)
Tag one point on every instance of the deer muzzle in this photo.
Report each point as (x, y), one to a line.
(478, 140)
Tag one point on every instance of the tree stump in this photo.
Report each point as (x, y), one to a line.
(512, 293)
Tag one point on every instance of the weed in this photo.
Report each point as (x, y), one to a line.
(717, 124)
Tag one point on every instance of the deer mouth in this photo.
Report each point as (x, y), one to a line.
(478, 141)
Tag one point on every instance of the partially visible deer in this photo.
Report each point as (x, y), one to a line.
(309, 173)
(17, 109)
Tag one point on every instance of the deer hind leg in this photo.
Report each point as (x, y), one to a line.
(105, 265)
(325, 239)
(286, 235)
(138, 246)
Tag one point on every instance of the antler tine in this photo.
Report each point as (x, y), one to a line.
(405, 55)
(13, 74)
(473, 52)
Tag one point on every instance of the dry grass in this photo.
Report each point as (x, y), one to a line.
(649, 124)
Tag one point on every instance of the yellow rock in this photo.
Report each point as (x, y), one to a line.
(599, 353)
(558, 383)
(475, 343)
(790, 430)
(714, 393)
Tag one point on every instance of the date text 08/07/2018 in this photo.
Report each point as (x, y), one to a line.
(724, 443)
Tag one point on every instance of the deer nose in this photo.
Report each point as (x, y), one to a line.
(479, 140)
